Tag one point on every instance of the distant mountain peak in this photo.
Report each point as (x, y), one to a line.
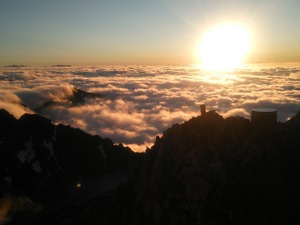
(79, 96)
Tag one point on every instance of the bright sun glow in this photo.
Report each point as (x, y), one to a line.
(224, 47)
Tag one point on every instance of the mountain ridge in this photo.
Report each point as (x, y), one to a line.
(208, 170)
(45, 162)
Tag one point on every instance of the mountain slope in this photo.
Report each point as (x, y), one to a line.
(208, 170)
(215, 171)
(56, 164)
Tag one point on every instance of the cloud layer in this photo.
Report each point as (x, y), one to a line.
(140, 102)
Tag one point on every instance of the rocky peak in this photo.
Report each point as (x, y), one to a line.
(211, 170)
(36, 126)
(80, 96)
(6, 122)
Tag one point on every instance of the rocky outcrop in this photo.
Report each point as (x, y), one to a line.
(208, 170)
(56, 164)
(215, 171)
(6, 120)
(78, 97)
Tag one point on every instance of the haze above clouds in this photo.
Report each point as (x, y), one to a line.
(140, 102)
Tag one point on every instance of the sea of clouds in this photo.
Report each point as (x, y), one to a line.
(139, 102)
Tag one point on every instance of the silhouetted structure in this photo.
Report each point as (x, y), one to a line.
(202, 109)
(264, 118)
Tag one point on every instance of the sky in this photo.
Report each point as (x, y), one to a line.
(115, 32)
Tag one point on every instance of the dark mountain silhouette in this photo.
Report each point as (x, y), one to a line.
(7, 120)
(16, 65)
(208, 170)
(78, 97)
(62, 65)
(47, 163)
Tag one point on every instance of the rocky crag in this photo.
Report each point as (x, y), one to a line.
(55, 165)
(208, 170)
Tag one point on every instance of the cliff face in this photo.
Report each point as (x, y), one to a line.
(208, 170)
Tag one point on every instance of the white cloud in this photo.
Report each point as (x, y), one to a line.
(141, 102)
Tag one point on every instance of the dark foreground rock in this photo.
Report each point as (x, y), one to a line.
(208, 170)
(55, 165)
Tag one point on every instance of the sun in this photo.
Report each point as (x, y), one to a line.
(224, 47)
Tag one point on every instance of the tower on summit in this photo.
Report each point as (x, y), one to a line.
(203, 109)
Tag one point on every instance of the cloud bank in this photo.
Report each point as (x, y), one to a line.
(140, 102)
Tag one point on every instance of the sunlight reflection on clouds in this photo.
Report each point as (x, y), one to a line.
(141, 102)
